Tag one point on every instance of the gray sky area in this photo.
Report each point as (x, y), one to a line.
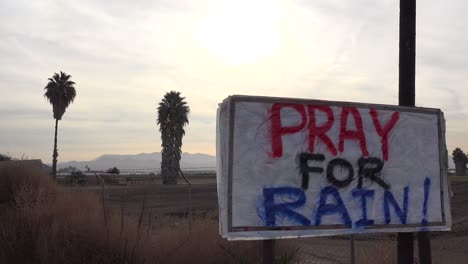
(124, 55)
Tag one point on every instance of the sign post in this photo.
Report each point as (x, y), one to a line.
(269, 251)
(407, 54)
(290, 168)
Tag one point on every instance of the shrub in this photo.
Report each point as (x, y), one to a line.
(76, 177)
(4, 157)
(113, 170)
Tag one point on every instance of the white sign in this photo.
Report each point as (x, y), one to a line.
(295, 168)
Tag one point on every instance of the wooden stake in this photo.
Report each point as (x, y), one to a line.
(405, 248)
(269, 251)
(424, 246)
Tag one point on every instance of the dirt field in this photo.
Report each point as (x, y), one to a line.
(163, 199)
(160, 200)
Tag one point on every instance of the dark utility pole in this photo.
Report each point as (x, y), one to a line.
(407, 67)
(406, 97)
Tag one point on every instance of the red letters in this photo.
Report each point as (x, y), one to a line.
(277, 130)
(357, 134)
(383, 133)
(319, 131)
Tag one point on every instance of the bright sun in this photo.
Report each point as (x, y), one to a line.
(240, 31)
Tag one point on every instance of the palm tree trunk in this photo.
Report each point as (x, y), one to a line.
(55, 154)
(460, 168)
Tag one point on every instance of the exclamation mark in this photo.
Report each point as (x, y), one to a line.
(427, 184)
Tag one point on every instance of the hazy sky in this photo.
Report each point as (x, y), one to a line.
(124, 55)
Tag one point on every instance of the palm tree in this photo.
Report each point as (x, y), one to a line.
(60, 92)
(460, 159)
(172, 117)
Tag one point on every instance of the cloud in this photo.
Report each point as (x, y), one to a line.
(125, 55)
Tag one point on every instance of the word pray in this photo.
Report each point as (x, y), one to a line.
(308, 117)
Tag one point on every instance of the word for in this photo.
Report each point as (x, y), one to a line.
(369, 168)
(319, 131)
(282, 201)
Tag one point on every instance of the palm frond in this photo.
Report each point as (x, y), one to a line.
(60, 92)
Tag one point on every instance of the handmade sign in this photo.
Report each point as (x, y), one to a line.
(295, 168)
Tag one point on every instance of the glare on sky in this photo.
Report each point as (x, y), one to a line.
(240, 32)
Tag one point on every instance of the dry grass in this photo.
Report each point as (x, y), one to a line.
(42, 223)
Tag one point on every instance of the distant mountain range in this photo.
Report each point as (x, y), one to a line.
(149, 162)
(146, 162)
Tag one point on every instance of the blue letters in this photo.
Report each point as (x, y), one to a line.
(363, 193)
(388, 198)
(272, 208)
(280, 203)
(427, 184)
(334, 208)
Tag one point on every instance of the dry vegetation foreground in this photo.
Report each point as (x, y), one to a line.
(46, 223)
